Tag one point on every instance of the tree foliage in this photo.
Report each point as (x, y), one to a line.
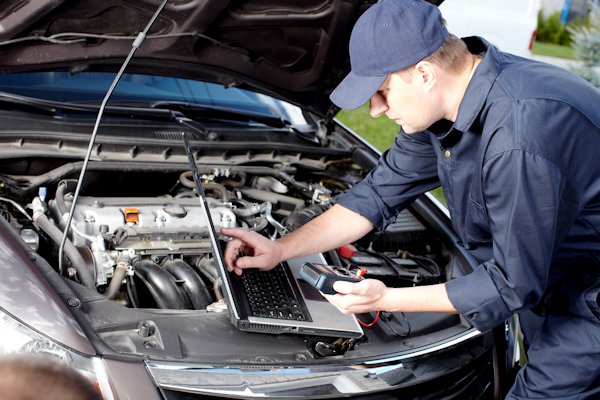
(586, 42)
(550, 29)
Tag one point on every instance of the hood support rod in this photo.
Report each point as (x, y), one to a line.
(135, 45)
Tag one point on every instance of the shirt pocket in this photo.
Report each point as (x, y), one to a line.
(477, 227)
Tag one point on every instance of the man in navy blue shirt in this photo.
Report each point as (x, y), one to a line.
(515, 145)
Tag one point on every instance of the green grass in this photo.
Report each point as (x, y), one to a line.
(380, 132)
(553, 50)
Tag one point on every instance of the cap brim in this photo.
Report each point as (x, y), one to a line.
(354, 90)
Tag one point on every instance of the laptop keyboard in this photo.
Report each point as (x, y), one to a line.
(270, 294)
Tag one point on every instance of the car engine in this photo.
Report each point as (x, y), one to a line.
(154, 251)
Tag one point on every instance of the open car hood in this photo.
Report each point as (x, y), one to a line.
(294, 50)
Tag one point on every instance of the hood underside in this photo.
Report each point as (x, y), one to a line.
(295, 50)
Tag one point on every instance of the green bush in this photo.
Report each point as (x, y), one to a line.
(586, 43)
(551, 30)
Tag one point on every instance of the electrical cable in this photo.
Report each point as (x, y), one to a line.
(132, 291)
(370, 324)
(425, 262)
(80, 37)
(17, 206)
(393, 265)
(386, 317)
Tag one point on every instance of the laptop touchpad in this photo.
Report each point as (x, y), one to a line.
(309, 292)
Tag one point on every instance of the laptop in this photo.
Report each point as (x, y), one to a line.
(276, 301)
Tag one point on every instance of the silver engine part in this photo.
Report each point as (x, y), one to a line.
(153, 225)
(157, 251)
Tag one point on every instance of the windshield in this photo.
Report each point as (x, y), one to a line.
(90, 87)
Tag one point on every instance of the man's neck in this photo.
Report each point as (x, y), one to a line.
(457, 87)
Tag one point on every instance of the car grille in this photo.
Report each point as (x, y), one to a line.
(474, 381)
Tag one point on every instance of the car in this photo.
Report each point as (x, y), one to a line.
(106, 256)
(510, 25)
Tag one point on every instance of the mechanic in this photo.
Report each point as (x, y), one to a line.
(514, 144)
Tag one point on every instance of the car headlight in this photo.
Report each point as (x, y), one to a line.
(17, 338)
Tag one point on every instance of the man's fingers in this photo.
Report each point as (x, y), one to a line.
(252, 262)
(356, 297)
(242, 234)
(231, 252)
(244, 262)
(248, 249)
(358, 288)
(343, 287)
(225, 230)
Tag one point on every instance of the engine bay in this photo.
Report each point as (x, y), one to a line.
(138, 241)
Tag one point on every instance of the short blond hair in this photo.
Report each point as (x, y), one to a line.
(451, 57)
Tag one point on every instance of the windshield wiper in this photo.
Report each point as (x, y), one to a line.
(234, 114)
(48, 107)
(56, 107)
(169, 109)
(216, 112)
(180, 112)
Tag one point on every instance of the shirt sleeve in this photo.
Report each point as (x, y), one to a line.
(404, 172)
(530, 206)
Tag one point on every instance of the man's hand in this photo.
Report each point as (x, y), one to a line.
(373, 295)
(360, 297)
(249, 249)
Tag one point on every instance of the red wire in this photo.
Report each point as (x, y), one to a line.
(370, 323)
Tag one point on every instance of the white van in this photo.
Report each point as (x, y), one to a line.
(508, 24)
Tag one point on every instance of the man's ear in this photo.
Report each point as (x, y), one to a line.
(426, 74)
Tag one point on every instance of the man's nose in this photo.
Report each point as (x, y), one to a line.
(378, 105)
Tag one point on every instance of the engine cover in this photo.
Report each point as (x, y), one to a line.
(153, 224)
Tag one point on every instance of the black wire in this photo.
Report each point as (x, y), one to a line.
(426, 263)
(389, 262)
(132, 291)
(387, 316)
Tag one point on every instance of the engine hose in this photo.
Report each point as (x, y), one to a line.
(192, 285)
(218, 290)
(217, 187)
(298, 218)
(161, 285)
(115, 283)
(236, 184)
(64, 187)
(71, 251)
(208, 268)
(186, 180)
(257, 170)
(256, 224)
(132, 291)
(248, 211)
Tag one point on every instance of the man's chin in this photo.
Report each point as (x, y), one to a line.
(408, 129)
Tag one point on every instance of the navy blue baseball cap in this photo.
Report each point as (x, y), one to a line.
(390, 36)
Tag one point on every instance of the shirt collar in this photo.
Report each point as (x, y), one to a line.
(476, 94)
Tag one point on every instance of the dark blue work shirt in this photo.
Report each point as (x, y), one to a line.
(520, 169)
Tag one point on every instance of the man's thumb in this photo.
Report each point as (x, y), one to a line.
(343, 287)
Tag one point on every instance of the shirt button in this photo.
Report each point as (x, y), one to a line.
(447, 154)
